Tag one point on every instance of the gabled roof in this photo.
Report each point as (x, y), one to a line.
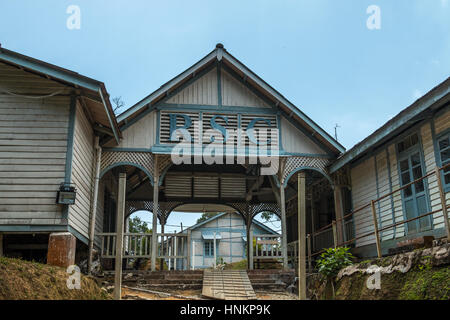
(435, 98)
(276, 99)
(259, 224)
(91, 87)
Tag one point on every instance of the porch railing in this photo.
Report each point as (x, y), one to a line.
(173, 248)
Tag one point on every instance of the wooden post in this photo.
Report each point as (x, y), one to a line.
(313, 225)
(250, 248)
(119, 235)
(175, 251)
(301, 180)
(214, 249)
(283, 227)
(155, 214)
(338, 208)
(308, 239)
(443, 202)
(92, 221)
(375, 224)
(335, 237)
(193, 254)
(188, 249)
(161, 262)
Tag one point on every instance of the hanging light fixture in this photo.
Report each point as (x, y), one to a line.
(66, 194)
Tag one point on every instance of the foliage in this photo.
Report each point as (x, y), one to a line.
(136, 225)
(333, 260)
(207, 215)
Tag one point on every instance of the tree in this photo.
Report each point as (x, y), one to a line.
(118, 104)
(267, 215)
(206, 215)
(136, 225)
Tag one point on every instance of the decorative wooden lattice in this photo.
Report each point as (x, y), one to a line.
(292, 163)
(164, 208)
(142, 159)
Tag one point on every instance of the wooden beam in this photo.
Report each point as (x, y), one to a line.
(119, 237)
(301, 180)
(155, 213)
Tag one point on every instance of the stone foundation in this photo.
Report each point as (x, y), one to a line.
(61, 249)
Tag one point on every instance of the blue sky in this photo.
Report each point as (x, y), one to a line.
(319, 54)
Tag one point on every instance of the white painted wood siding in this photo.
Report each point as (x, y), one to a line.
(235, 93)
(82, 172)
(33, 143)
(384, 206)
(203, 91)
(293, 140)
(141, 134)
(364, 190)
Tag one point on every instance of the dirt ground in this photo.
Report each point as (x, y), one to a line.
(130, 294)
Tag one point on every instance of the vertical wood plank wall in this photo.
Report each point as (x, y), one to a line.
(33, 142)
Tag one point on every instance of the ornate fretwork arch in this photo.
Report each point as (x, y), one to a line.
(142, 160)
(294, 164)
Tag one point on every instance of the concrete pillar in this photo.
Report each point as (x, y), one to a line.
(155, 214)
(301, 179)
(339, 212)
(283, 227)
(161, 263)
(119, 240)
(61, 249)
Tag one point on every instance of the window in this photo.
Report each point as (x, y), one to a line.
(408, 143)
(209, 248)
(444, 157)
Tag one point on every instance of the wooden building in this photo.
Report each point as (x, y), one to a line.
(57, 126)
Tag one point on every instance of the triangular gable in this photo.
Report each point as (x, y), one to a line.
(250, 90)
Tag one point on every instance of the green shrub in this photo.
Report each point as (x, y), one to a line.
(333, 260)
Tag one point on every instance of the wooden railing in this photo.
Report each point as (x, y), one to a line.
(173, 248)
(351, 238)
(267, 247)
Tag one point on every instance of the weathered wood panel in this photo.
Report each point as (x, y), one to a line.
(235, 93)
(293, 140)
(33, 145)
(203, 91)
(364, 189)
(82, 172)
(142, 134)
(384, 207)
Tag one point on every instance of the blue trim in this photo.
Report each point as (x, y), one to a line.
(437, 153)
(280, 142)
(215, 108)
(219, 83)
(127, 149)
(126, 163)
(308, 134)
(313, 155)
(78, 235)
(167, 149)
(307, 168)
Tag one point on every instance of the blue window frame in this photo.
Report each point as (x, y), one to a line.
(208, 248)
(443, 144)
(415, 197)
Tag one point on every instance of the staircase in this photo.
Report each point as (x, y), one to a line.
(271, 280)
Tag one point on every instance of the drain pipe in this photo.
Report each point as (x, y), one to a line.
(98, 154)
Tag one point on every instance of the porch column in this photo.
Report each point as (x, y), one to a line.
(119, 240)
(283, 227)
(98, 155)
(339, 211)
(249, 239)
(301, 177)
(155, 214)
(161, 263)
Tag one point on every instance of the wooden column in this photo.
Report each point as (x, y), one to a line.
(313, 224)
(339, 212)
(188, 248)
(375, 225)
(301, 179)
(98, 155)
(443, 202)
(161, 263)
(119, 238)
(283, 227)
(155, 214)
(250, 248)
